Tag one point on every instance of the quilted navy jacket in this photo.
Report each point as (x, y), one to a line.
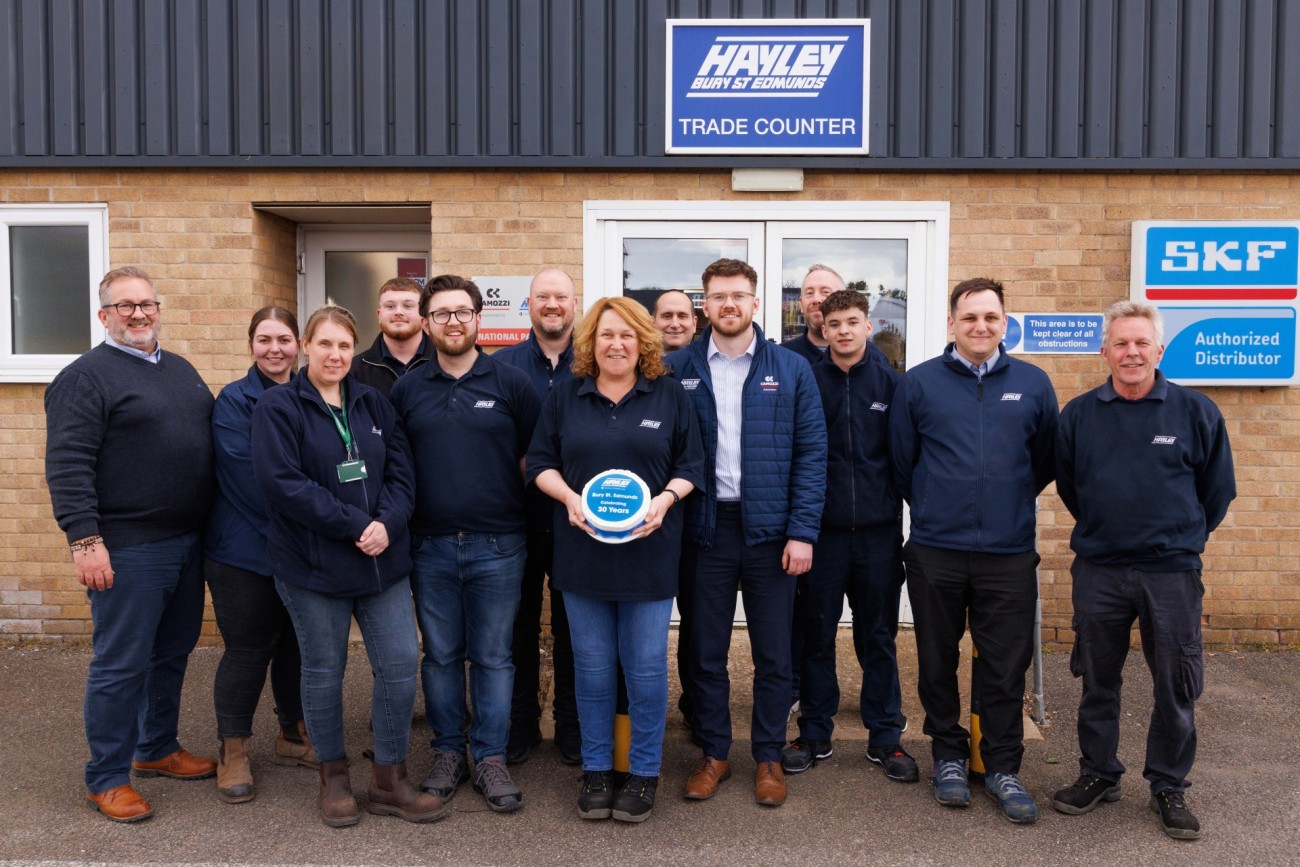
(783, 444)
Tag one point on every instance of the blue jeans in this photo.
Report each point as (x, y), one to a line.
(1167, 607)
(387, 623)
(466, 588)
(145, 626)
(604, 634)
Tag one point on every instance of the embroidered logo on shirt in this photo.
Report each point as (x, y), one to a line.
(690, 384)
(1164, 441)
(769, 385)
(879, 407)
(650, 423)
(1011, 395)
(376, 431)
(485, 404)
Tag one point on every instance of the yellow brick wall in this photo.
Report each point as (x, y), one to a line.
(1058, 241)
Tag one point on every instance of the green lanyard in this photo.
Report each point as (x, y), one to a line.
(345, 431)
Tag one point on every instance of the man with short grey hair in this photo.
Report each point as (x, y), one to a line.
(129, 465)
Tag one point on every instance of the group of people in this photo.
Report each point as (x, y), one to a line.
(428, 489)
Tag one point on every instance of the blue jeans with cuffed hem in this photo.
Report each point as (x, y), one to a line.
(387, 623)
(466, 588)
(145, 626)
(606, 633)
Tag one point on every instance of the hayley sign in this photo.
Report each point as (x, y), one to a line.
(767, 87)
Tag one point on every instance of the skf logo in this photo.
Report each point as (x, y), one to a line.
(650, 423)
(1237, 262)
(1164, 441)
(485, 404)
(879, 407)
(769, 385)
(690, 384)
(1011, 395)
(617, 484)
(793, 68)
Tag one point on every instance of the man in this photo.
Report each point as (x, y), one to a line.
(754, 523)
(401, 345)
(971, 440)
(469, 419)
(818, 284)
(674, 316)
(859, 551)
(129, 464)
(1145, 468)
(546, 356)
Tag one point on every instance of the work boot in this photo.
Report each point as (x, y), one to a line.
(234, 776)
(293, 747)
(338, 806)
(391, 794)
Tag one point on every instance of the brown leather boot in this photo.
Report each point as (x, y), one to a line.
(234, 776)
(338, 807)
(391, 794)
(293, 747)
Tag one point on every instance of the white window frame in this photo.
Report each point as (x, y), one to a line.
(43, 368)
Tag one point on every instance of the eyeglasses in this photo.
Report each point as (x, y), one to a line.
(724, 297)
(442, 317)
(128, 308)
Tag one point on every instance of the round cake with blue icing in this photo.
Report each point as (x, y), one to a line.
(615, 503)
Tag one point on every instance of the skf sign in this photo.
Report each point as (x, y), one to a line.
(773, 87)
(1228, 292)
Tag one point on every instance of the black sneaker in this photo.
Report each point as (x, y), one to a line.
(523, 739)
(568, 740)
(595, 797)
(636, 799)
(1086, 793)
(1175, 818)
(897, 763)
(803, 753)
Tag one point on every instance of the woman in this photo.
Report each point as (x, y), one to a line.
(333, 462)
(620, 412)
(254, 624)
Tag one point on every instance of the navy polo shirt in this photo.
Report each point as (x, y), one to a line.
(467, 436)
(653, 432)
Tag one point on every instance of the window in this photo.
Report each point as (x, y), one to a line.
(51, 260)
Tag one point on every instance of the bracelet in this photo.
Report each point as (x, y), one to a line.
(86, 544)
(676, 499)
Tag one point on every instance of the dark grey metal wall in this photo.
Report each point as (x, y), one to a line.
(984, 84)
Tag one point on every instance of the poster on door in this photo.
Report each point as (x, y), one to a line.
(505, 310)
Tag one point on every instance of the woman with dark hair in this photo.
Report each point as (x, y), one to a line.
(621, 412)
(332, 461)
(254, 625)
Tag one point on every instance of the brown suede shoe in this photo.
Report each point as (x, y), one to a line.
(234, 775)
(705, 779)
(769, 784)
(121, 804)
(338, 807)
(180, 765)
(293, 747)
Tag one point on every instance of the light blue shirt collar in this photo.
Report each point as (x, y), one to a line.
(978, 369)
(151, 357)
(749, 350)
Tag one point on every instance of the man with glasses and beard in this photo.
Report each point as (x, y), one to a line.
(401, 345)
(469, 419)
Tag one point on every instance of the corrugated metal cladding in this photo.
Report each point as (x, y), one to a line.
(970, 83)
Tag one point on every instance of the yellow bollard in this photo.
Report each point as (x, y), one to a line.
(976, 760)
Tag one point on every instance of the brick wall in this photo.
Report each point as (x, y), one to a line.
(1058, 241)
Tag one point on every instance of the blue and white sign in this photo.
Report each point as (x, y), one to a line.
(1053, 333)
(1228, 292)
(615, 503)
(767, 87)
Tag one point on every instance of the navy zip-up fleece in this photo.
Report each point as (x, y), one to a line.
(970, 454)
(1146, 480)
(860, 488)
(314, 519)
(782, 442)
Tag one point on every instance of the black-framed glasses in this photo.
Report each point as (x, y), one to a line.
(442, 317)
(128, 308)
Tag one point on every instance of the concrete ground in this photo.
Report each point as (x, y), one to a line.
(1246, 793)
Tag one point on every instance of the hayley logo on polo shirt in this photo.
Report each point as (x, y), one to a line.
(879, 407)
(690, 384)
(650, 423)
(1011, 395)
(485, 404)
(1164, 441)
(376, 431)
(769, 385)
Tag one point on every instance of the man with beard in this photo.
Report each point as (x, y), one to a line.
(818, 284)
(119, 418)
(546, 357)
(401, 345)
(674, 317)
(752, 526)
(469, 419)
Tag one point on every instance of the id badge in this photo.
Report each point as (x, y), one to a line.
(352, 471)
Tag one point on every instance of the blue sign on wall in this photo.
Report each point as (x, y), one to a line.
(1053, 333)
(770, 87)
(1228, 293)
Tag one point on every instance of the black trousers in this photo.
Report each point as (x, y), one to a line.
(525, 707)
(995, 593)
